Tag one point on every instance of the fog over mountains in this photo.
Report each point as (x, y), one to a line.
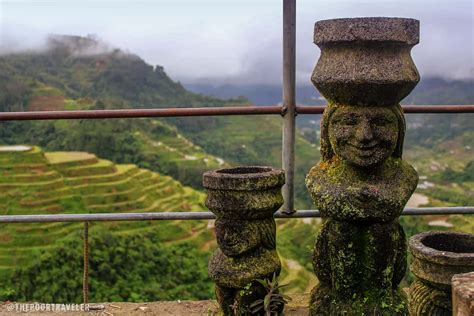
(235, 42)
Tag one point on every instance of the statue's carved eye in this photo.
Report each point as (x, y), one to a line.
(381, 121)
(346, 120)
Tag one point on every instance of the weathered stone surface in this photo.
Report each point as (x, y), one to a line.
(247, 178)
(463, 294)
(237, 272)
(437, 257)
(371, 29)
(426, 299)
(244, 192)
(366, 61)
(244, 200)
(361, 184)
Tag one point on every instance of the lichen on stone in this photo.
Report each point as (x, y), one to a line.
(243, 200)
(361, 184)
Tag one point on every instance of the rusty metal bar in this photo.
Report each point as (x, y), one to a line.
(438, 108)
(212, 111)
(107, 217)
(289, 103)
(319, 109)
(85, 277)
(135, 113)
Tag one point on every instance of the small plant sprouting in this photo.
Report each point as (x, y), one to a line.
(273, 302)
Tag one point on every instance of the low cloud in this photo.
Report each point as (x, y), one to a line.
(74, 45)
(222, 44)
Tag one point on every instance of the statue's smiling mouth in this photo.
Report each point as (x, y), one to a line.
(364, 147)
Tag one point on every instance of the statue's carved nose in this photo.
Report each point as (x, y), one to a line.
(364, 132)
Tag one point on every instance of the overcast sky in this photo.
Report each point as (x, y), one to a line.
(231, 41)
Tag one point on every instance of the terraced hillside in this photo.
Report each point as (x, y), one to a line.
(34, 182)
(162, 142)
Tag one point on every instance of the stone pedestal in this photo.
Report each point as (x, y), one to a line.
(243, 200)
(361, 184)
(437, 257)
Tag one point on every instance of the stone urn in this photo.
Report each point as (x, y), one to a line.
(437, 257)
(366, 61)
(361, 183)
(244, 200)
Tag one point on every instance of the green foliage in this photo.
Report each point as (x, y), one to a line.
(460, 199)
(273, 302)
(450, 175)
(296, 240)
(127, 268)
(251, 141)
(432, 130)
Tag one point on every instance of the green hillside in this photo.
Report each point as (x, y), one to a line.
(34, 182)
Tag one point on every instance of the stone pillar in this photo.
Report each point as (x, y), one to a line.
(437, 257)
(463, 294)
(361, 184)
(243, 200)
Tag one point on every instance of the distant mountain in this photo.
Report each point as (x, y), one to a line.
(67, 70)
(258, 94)
(428, 91)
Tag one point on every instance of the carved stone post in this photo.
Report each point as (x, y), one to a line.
(243, 200)
(361, 184)
(463, 294)
(437, 257)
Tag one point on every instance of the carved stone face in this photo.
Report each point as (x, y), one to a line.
(363, 135)
(236, 237)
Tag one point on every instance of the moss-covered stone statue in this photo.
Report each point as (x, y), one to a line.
(361, 184)
(243, 200)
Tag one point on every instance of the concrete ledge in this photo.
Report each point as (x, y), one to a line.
(297, 306)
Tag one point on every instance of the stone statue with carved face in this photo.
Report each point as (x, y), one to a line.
(244, 200)
(361, 184)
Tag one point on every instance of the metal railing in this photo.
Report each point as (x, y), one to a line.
(288, 111)
(176, 215)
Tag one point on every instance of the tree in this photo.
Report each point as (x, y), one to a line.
(122, 268)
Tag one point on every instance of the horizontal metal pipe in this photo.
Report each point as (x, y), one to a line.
(438, 108)
(406, 108)
(211, 111)
(135, 113)
(106, 217)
